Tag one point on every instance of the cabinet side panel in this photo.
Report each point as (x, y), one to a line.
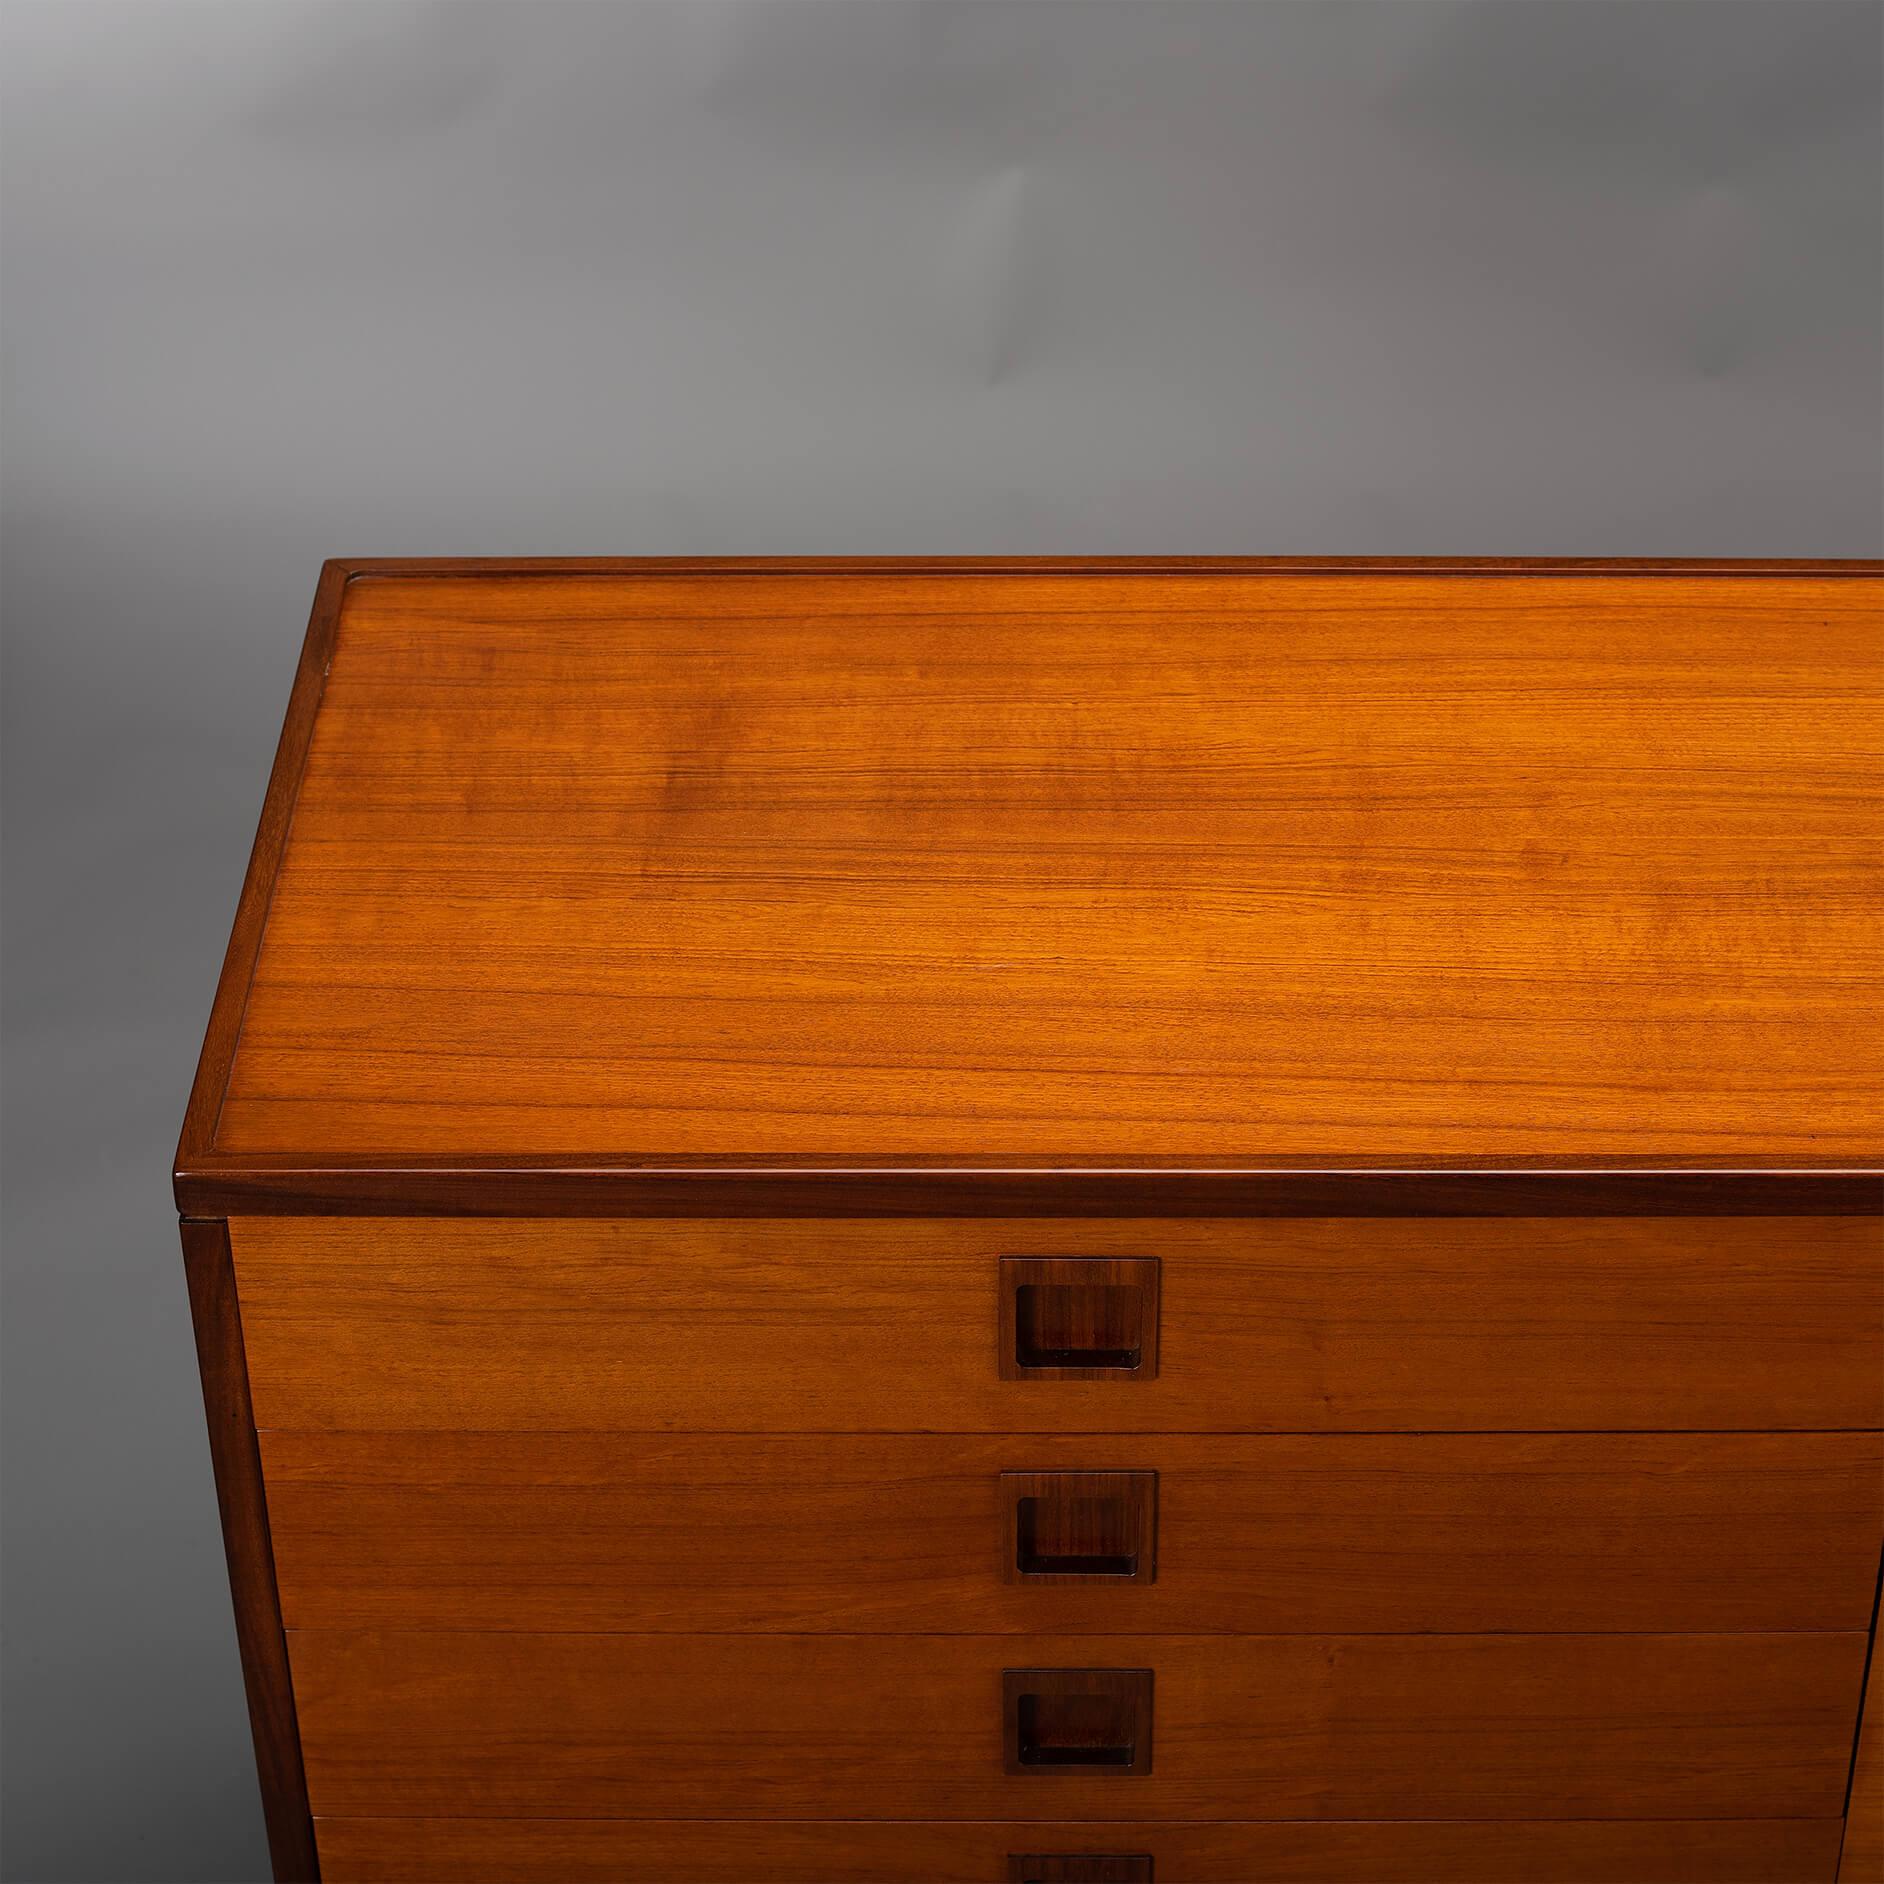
(1863, 1861)
(239, 1496)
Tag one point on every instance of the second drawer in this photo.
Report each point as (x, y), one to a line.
(1269, 1534)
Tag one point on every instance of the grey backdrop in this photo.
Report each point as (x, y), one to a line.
(286, 280)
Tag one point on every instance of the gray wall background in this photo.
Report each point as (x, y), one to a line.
(286, 280)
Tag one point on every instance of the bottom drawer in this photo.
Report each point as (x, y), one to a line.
(447, 1725)
(603, 1851)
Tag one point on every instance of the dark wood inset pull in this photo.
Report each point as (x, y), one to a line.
(1079, 1867)
(1079, 1317)
(1077, 1720)
(1080, 1527)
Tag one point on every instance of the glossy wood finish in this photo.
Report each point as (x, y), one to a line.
(1381, 1324)
(1052, 864)
(767, 1727)
(893, 1534)
(243, 1506)
(1863, 1859)
(621, 1851)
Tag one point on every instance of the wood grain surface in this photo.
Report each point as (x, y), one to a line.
(1254, 865)
(437, 1724)
(623, 1851)
(854, 1326)
(1279, 1535)
(1863, 1860)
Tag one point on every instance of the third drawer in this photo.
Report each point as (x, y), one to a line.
(434, 1723)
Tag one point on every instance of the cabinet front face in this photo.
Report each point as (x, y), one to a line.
(579, 1522)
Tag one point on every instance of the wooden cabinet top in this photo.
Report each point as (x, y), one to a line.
(604, 884)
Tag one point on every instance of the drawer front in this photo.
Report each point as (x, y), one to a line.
(1406, 1324)
(616, 1851)
(447, 1724)
(1272, 1534)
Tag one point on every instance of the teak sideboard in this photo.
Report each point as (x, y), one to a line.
(1058, 1222)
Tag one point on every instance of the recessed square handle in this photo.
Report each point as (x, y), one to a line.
(1080, 1527)
(1079, 1317)
(1095, 1721)
(1079, 1867)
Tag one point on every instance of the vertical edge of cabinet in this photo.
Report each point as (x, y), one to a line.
(236, 1458)
(1861, 1859)
(271, 835)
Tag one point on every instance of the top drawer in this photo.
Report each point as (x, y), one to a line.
(1384, 1324)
